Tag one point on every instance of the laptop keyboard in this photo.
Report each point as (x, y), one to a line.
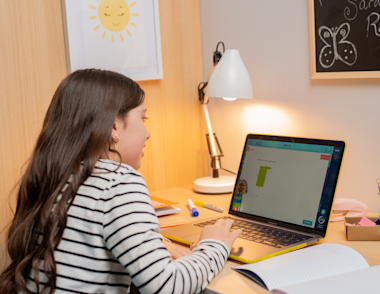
(266, 235)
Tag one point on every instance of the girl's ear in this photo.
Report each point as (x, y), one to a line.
(118, 126)
(114, 134)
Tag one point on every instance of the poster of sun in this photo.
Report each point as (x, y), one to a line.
(118, 35)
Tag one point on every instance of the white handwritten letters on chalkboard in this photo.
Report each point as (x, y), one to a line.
(356, 5)
(344, 39)
(373, 23)
(336, 46)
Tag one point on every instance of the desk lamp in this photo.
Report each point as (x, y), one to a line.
(228, 79)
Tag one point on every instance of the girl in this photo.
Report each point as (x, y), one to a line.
(84, 222)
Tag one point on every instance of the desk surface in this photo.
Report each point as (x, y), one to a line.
(228, 280)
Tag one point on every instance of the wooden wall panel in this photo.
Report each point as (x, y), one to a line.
(176, 153)
(32, 64)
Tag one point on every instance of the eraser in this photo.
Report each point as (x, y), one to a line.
(348, 224)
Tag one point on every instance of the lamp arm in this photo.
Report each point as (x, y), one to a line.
(203, 99)
(210, 132)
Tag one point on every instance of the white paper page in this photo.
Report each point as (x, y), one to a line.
(307, 264)
(167, 210)
(362, 281)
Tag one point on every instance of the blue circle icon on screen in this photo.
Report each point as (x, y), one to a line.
(323, 211)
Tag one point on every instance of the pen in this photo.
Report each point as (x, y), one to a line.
(194, 211)
(209, 206)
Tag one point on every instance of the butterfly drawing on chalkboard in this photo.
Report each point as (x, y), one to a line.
(337, 47)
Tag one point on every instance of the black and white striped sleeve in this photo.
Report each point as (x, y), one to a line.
(131, 232)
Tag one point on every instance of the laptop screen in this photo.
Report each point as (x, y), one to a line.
(289, 180)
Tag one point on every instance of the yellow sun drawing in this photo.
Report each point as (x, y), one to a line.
(115, 16)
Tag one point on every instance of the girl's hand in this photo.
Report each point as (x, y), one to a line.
(175, 251)
(220, 231)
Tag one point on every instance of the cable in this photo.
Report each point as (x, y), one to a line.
(224, 49)
(228, 170)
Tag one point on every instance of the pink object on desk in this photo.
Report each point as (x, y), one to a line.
(351, 206)
(347, 224)
(366, 222)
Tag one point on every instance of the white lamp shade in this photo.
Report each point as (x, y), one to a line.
(230, 78)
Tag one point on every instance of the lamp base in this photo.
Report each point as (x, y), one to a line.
(210, 185)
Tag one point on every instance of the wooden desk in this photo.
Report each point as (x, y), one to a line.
(228, 280)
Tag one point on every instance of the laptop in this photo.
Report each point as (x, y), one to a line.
(282, 199)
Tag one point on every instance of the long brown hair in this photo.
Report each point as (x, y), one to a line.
(76, 131)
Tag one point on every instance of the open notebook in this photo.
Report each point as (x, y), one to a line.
(324, 268)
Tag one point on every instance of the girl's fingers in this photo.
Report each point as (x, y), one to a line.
(219, 222)
(224, 222)
(175, 251)
(176, 255)
(185, 250)
(236, 233)
(229, 223)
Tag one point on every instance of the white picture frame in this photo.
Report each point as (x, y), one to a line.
(119, 35)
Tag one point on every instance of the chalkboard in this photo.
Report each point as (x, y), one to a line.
(344, 38)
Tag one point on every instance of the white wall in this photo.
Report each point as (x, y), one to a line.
(273, 39)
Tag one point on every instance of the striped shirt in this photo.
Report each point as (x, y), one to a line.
(112, 237)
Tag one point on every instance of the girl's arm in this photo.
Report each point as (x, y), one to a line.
(131, 232)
